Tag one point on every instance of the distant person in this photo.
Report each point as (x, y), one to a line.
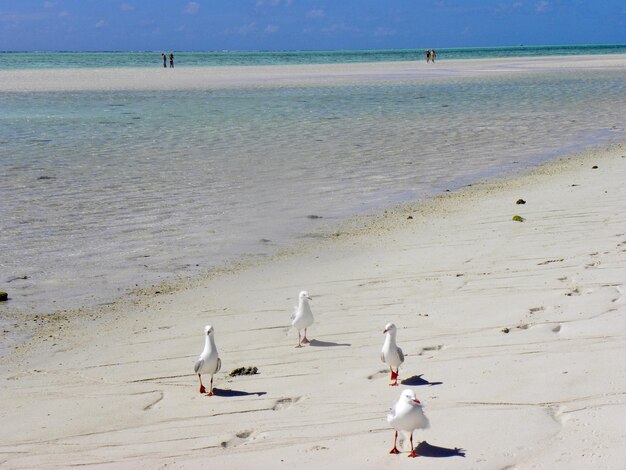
(427, 55)
(432, 55)
(164, 57)
(171, 60)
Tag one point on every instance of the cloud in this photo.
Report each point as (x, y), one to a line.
(319, 13)
(191, 8)
(508, 7)
(542, 6)
(274, 3)
(126, 7)
(271, 28)
(100, 24)
(49, 5)
(247, 28)
(341, 27)
(383, 32)
(19, 18)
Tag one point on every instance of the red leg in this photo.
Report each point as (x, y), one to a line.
(413, 453)
(395, 449)
(305, 340)
(210, 394)
(202, 390)
(394, 377)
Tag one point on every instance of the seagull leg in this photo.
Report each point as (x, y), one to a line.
(202, 390)
(395, 449)
(210, 394)
(299, 342)
(394, 377)
(413, 453)
(304, 340)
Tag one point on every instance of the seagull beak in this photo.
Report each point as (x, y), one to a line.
(386, 330)
(417, 402)
(309, 297)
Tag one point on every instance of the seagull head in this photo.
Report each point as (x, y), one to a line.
(408, 396)
(304, 295)
(390, 327)
(208, 330)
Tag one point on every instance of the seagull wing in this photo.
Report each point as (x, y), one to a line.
(382, 356)
(219, 365)
(198, 365)
(293, 314)
(401, 354)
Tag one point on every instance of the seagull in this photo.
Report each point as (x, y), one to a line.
(209, 361)
(407, 415)
(302, 317)
(391, 353)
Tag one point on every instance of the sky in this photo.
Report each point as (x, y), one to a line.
(214, 25)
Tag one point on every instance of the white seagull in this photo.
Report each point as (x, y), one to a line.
(407, 415)
(302, 317)
(391, 354)
(209, 361)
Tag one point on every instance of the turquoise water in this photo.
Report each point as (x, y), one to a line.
(105, 191)
(37, 60)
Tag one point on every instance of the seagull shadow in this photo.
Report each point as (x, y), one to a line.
(326, 344)
(424, 449)
(220, 392)
(417, 380)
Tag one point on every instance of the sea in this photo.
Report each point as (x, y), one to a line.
(106, 192)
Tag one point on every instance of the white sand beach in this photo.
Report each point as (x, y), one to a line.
(115, 388)
(190, 78)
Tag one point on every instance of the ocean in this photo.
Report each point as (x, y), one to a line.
(103, 192)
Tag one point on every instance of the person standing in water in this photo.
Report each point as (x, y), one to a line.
(427, 55)
(163, 56)
(432, 55)
(171, 60)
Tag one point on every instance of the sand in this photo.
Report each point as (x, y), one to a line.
(114, 387)
(191, 78)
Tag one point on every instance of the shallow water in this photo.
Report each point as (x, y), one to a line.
(104, 191)
(39, 60)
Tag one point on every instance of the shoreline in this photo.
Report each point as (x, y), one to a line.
(452, 278)
(200, 78)
(542, 150)
(17, 323)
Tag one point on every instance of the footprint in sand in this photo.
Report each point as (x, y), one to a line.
(575, 291)
(283, 403)
(158, 396)
(428, 349)
(541, 326)
(556, 413)
(240, 438)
